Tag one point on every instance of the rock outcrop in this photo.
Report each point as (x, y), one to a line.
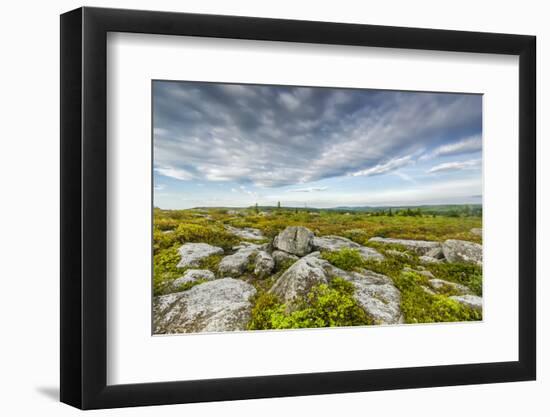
(192, 275)
(193, 253)
(440, 285)
(334, 243)
(375, 293)
(463, 251)
(263, 265)
(420, 247)
(246, 232)
(296, 240)
(471, 301)
(300, 278)
(235, 265)
(215, 306)
(281, 258)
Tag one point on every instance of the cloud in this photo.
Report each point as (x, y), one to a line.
(176, 173)
(463, 146)
(159, 187)
(455, 166)
(389, 166)
(273, 136)
(308, 189)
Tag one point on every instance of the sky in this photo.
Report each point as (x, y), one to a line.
(235, 145)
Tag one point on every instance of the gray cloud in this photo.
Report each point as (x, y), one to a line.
(273, 136)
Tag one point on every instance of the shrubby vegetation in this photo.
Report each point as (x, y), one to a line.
(332, 304)
(329, 305)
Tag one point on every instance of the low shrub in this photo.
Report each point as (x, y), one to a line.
(329, 305)
(418, 306)
(345, 258)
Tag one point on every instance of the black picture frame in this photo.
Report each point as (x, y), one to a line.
(84, 207)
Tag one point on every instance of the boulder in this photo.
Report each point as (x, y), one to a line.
(377, 295)
(281, 257)
(300, 278)
(193, 253)
(420, 247)
(471, 301)
(334, 243)
(235, 265)
(436, 253)
(215, 306)
(192, 275)
(429, 260)
(440, 285)
(264, 264)
(246, 232)
(463, 251)
(296, 240)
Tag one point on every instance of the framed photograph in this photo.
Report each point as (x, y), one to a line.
(256, 208)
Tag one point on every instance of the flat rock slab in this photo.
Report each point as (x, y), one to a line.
(296, 240)
(193, 253)
(471, 301)
(440, 285)
(215, 306)
(193, 275)
(246, 232)
(463, 251)
(421, 247)
(334, 243)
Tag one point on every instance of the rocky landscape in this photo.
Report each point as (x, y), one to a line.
(226, 289)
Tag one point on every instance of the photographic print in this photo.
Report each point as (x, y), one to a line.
(290, 207)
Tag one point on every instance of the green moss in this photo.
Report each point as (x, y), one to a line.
(329, 305)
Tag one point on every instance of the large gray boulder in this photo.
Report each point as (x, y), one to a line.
(297, 281)
(296, 240)
(375, 293)
(246, 232)
(193, 275)
(193, 253)
(215, 306)
(471, 301)
(235, 265)
(420, 247)
(334, 243)
(280, 257)
(463, 251)
(264, 264)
